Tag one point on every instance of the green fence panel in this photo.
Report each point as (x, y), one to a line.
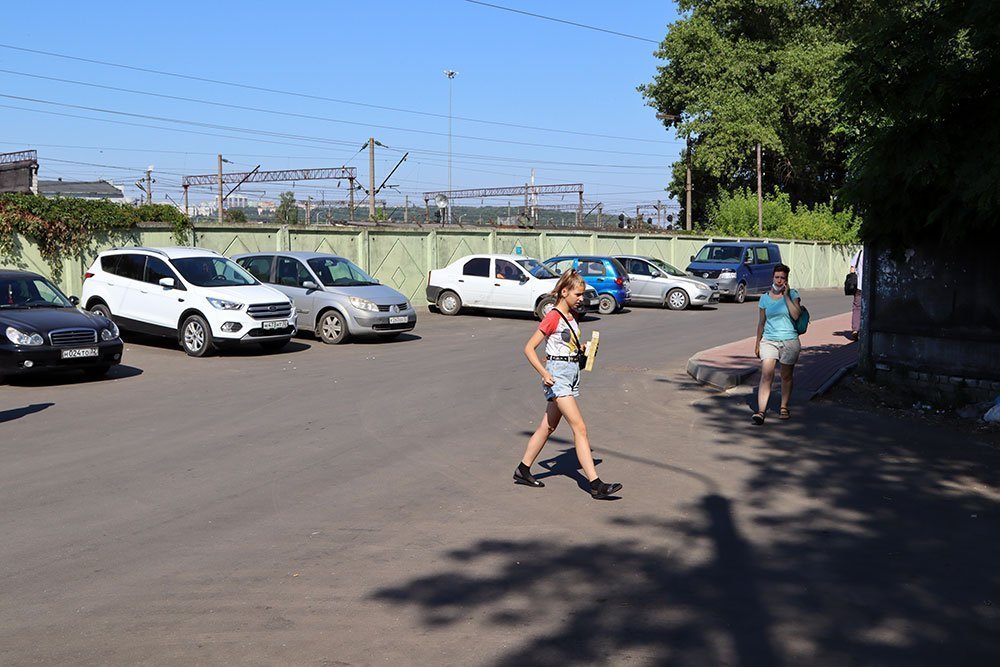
(398, 259)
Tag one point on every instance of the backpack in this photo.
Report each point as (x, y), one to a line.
(802, 323)
(851, 284)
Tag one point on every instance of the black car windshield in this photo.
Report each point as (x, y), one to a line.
(719, 254)
(339, 272)
(31, 292)
(213, 272)
(668, 269)
(536, 268)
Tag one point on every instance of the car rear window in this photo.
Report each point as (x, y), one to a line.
(620, 268)
(479, 266)
(109, 263)
(131, 266)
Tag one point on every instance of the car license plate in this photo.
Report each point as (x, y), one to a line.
(275, 324)
(79, 352)
(398, 320)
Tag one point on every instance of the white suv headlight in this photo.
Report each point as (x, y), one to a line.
(363, 304)
(224, 305)
(19, 337)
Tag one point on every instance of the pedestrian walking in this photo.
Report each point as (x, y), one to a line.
(857, 270)
(777, 342)
(561, 384)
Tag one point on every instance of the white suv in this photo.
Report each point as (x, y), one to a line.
(199, 296)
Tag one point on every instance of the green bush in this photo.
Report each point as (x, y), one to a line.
(64, 227)
(735, 214)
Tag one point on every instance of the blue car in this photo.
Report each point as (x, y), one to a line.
(740, 267)
(605, 274)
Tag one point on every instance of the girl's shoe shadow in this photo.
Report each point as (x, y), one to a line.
(568, 465)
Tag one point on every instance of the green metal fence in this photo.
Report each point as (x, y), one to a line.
(401, 257)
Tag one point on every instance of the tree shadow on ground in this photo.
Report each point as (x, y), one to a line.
(854, 540)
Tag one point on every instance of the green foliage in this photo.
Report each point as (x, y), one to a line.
(739, 72)
(65, 227)
(287, 212)
(922, 94)
(735, 214)
(234, 215)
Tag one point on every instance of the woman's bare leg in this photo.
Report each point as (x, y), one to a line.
(571, 411)
(764, 388)
(538, 439)
(786, 383)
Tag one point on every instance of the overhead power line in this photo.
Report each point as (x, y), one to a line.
(291, 93)
(572, 23)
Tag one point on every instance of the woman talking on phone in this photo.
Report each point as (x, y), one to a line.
(777, 342)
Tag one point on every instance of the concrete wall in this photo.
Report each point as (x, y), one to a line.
(932, 316)
(401, 256)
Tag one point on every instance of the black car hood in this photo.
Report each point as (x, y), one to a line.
(42, 320)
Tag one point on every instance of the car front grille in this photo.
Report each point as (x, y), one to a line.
(66, 337)
(393, 327)
(706, 273)
(386, 309)
(269, 311)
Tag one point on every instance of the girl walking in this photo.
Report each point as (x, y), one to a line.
(561, 383)
(777, 342)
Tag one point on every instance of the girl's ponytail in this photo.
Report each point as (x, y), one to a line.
(569, 279)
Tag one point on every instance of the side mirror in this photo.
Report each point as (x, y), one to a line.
(167, 282)
(308, 284)
(654, 274)
(692, 258)
(523, 279)
(75, 300)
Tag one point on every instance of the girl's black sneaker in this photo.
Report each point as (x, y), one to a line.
(604, 491)
(526, 478)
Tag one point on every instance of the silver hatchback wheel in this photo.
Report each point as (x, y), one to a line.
(677, 299)
(332, 328)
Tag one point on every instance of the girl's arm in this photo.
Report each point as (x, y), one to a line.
(532, 355)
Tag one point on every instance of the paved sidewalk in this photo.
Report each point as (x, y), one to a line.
(826, 351)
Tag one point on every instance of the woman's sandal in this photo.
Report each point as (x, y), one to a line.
(605, 491)
(757, 418)
(783, 413)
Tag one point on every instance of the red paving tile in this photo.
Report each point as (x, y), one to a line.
(826, 349)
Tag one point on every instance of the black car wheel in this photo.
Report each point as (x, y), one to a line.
(196, 336)
(607, 304)
(676, 299)
(332, 328)
(741, 293)
(545, 304)
(449, 303)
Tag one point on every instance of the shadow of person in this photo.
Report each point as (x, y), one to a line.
(566, 464)
(17, 413)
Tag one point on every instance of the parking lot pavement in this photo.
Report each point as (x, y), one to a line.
(354, 504)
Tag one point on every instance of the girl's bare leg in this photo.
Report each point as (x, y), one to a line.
(538, 439)
(571, 411)
(764, 388)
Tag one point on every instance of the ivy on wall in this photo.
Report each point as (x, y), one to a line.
(64, 227)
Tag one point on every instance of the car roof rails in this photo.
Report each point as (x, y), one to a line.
(139, 247)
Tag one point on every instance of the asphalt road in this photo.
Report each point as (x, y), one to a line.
(353, 505)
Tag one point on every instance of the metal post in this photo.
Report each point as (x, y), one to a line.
(308, 209)
(371, 178)
(579, 212)
(351, 204)
(600, 210)
(687, 187)
(220, 189)
(149, 187)
(406, 209)
(186, 201)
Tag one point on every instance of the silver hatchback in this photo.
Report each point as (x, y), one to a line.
(333, 296)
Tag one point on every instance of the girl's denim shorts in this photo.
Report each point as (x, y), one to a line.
(567, 377)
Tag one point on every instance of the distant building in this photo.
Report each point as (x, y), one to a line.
(19, 172)
(81, 190)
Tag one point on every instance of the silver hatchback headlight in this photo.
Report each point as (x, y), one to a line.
(363, 304)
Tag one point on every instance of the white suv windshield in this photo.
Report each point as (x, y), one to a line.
(213, 272)
(339, 272)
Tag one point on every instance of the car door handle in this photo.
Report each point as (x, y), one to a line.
(496, 284)
(461, 280)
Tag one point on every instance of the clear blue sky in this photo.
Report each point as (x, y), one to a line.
(513, 69)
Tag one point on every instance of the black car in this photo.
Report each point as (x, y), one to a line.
(42, 330)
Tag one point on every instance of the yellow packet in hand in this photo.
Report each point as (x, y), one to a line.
(595, 340)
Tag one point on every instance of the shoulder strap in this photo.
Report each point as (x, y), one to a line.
(579, 348)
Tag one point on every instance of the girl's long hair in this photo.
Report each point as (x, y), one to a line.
(569, 279)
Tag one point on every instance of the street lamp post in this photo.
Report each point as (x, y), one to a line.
(687, 186)
(451, 74)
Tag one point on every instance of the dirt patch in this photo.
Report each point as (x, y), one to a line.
(903, 402)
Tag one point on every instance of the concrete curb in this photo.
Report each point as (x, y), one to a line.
(834, 379)
(723, 378)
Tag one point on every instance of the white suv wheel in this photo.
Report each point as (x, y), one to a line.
(196, 336)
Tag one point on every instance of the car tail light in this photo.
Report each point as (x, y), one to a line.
(88, 274)
(619, 281)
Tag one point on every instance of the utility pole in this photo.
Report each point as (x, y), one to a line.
(308, 209)
(149, 185)
(186, 201)
(371, 178)
(659, 220)
(406, 209)
(220, 189)
(350, 205)
(600, 210)
(451, 74)
(760, 197)
(687, 187)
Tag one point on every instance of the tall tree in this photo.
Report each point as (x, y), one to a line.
(922, 90)
(739, 72)
(287, 212)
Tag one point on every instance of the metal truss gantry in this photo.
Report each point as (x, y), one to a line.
(530, 192)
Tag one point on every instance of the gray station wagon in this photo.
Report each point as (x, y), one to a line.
(332, 295)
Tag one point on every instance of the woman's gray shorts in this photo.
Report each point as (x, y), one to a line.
(567, 377)
(785, 351)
